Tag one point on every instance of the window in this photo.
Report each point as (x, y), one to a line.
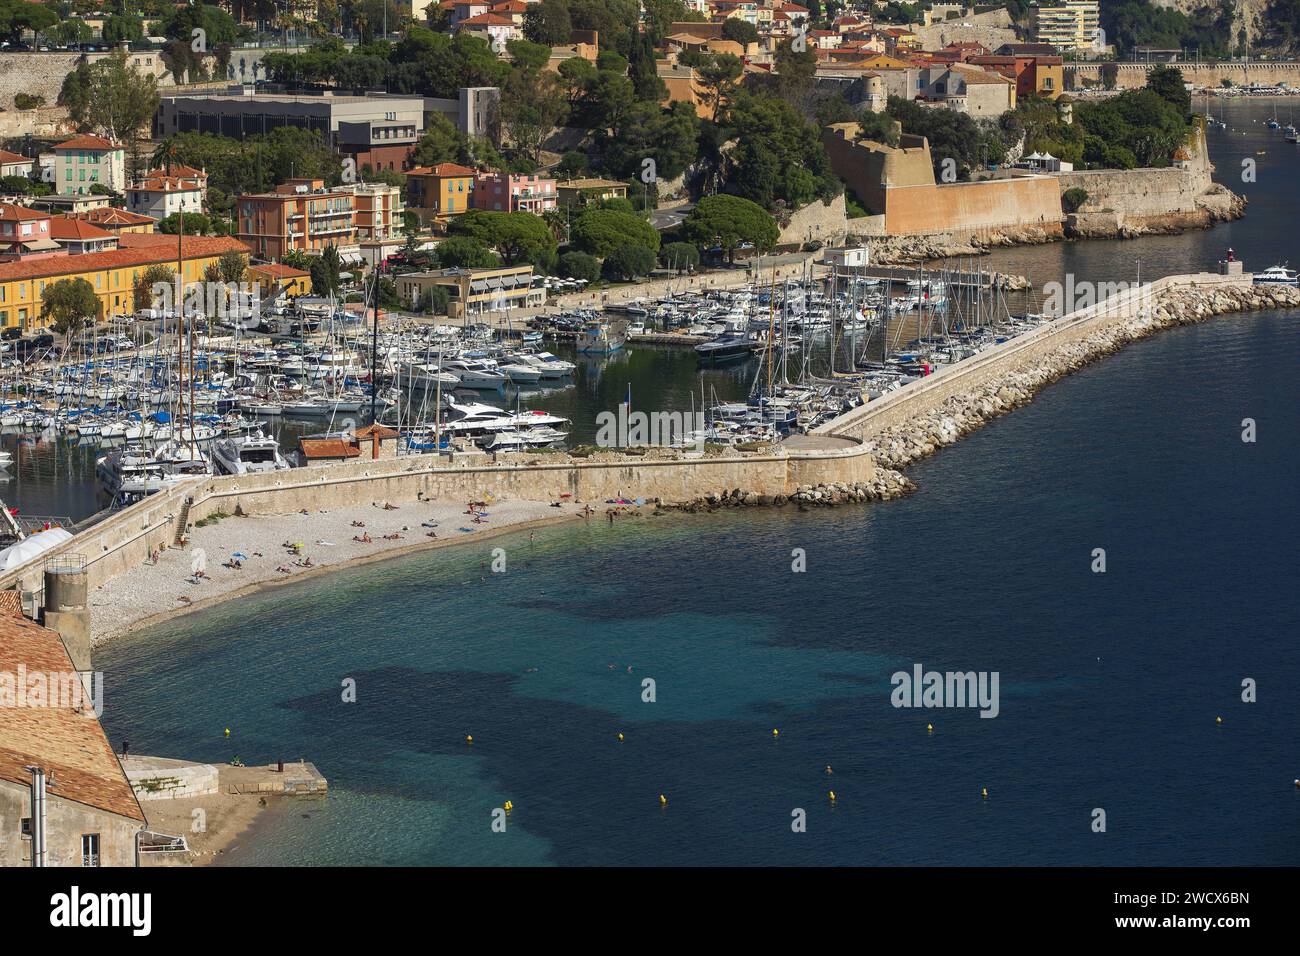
(90, 849)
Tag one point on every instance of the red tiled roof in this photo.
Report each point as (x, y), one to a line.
(8, 159)
(327, 448)
(9, 211)
(487, 20)
(64, 227)
(132, 252)
(80, 764)
(278, 270)
(165, 184)
(88, 142)
(442, 169)
(112, 216)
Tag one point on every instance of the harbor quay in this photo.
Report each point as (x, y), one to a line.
(847, 451)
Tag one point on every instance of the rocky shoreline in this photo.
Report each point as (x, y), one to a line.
(922, 436)
(887, 484)
(1217, 204)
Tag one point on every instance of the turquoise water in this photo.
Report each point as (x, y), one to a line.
(1110, 683)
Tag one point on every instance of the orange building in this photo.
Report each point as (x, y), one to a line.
(300, 215)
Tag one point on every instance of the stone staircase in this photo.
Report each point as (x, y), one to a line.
(182, 521)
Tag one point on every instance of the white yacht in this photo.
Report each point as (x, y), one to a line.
(248, 454)
(523, 440)
(475, 373)
(1277, 275)
(425, 375)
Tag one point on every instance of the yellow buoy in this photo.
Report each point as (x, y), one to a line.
(469, 738)
(985, 793)
(929, 728)
(620, 737)
(832, 796)
(227, 731)
(775, 732)
(1218, 720)
(663, 801)
(509, 806)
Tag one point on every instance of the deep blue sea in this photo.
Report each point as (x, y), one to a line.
(1110, 683)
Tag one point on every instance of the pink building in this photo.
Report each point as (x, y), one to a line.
(511, 192)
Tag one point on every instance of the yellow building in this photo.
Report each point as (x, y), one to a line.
(111, 274)
(439, 192)
(274, 276)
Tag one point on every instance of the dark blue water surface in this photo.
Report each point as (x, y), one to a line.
(1110, 683)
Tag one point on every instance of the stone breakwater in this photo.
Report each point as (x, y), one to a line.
(923, 435)
(886, 484)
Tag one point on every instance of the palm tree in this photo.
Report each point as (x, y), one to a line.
(164, 155)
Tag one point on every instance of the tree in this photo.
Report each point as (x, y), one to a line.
(19, 15)
(196, 224)
(527, 56)
(601, 231)
(729, 221)
(719, 74)
(464, 252)
(740, 31)
(109, 97)
(68, 304)
(1167, 83)
(680, 256)
(232, 266)
(548, 22)
(580, 265)
(154, 275)
(532, 108)
(441, 143)
(517, 237)
(325, 270)
(120, 28)
(778, 157)
(572, 164)
(668, 137)
(627, 262)
(641, 68)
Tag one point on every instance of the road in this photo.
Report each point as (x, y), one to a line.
(663, 219)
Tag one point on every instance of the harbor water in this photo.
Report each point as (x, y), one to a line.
(1110, 683)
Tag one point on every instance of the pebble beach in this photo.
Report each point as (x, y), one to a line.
(243, 553)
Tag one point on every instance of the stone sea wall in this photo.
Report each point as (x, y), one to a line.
(915, 429)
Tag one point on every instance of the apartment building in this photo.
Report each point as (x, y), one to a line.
(511, 192)
(378, 210)
(1072, 26)
(85, 161)
(474, 291)
(301, 214)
